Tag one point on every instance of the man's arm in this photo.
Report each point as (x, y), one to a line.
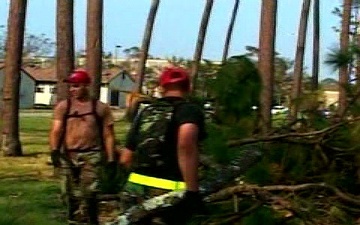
(109, 141)
(109, 134)
(56, 130)
(188, 155)
(55, 134)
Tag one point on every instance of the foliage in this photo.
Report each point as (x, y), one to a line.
(34, 44)
(263, 215)
(242, 81)
(337, 58)
(38, 45)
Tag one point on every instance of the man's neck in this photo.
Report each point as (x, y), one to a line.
(174, 93)
(82, 99)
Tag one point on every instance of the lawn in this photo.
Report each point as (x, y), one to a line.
(29, 193)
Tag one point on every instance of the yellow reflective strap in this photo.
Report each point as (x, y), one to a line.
(156, 182)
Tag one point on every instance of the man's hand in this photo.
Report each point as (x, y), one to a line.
(192, 200)
(191, 203)
(126, 157)
(55, 158)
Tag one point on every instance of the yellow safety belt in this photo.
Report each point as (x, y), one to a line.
(156, 182)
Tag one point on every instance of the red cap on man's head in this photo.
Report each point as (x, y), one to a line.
(78, 77)
(172, 75)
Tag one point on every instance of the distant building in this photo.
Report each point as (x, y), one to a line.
(38, 86)
(27, 88)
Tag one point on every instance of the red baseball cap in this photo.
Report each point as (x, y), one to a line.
(173, 75)
(78, 77)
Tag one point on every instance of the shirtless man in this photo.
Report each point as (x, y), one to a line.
(82, 134)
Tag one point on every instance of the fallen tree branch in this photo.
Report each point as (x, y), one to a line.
(230, 191)
(234, 143)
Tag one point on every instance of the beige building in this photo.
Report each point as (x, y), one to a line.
(331, 98)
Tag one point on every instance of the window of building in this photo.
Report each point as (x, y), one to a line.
(39, 90)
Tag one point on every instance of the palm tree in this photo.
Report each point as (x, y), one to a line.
(200, 42)
(316, 45)
(344, 45)
(356, 42)
(94, 42)
(230, 30)
(146, 43)
(13, 61)
(266, 60)
(65, 45)
(133, 52)
(299, 58)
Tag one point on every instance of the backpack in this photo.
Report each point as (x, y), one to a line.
(152, 128)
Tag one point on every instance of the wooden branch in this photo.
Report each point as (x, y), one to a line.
(228, 192)
(234, 143)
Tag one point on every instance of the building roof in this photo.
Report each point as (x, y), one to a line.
(41, 74)
(48, 74)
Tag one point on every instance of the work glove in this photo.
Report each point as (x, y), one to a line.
(192, 201)
(55, 158)
(182, 211)
(111, 169)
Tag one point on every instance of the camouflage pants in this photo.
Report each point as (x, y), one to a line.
(144, 205)
(80, 185)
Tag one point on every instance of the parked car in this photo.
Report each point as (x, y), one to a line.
(325, 112)
(279, 109)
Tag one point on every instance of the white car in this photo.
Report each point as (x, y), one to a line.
(279, 109)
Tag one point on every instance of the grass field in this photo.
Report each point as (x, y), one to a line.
(29, 193)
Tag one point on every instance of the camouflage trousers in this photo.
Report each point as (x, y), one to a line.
(142, 205)
(80, 185)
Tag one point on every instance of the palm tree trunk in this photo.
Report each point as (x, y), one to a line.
(145, 44)
(200, 43)
(316, 46)
(356, 42)
(266, 60)
(65, 45)
(230, 30)
(344, 45)
(94, 42)
(13, 61)
(299, 59)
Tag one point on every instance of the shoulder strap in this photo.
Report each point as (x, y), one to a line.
(64, 124)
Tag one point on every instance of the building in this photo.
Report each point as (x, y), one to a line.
(38, 86)
(27, 88)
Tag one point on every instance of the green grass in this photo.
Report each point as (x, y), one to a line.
(29, 193)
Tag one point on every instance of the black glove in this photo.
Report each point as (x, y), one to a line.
(192, 201)
(184, 209)
(110, 170)
(55, 158)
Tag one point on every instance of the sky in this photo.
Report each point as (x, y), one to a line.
(177, 25)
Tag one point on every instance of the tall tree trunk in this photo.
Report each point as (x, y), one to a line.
(316, 46)
(65, 45)
(200, 43)
(357, 43)
(145, 44)
(230, 30)
(344, 45)
(13, 61)
(266, 60)
(94, 42)
(299, 59)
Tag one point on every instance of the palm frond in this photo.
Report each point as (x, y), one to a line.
(337, 58)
